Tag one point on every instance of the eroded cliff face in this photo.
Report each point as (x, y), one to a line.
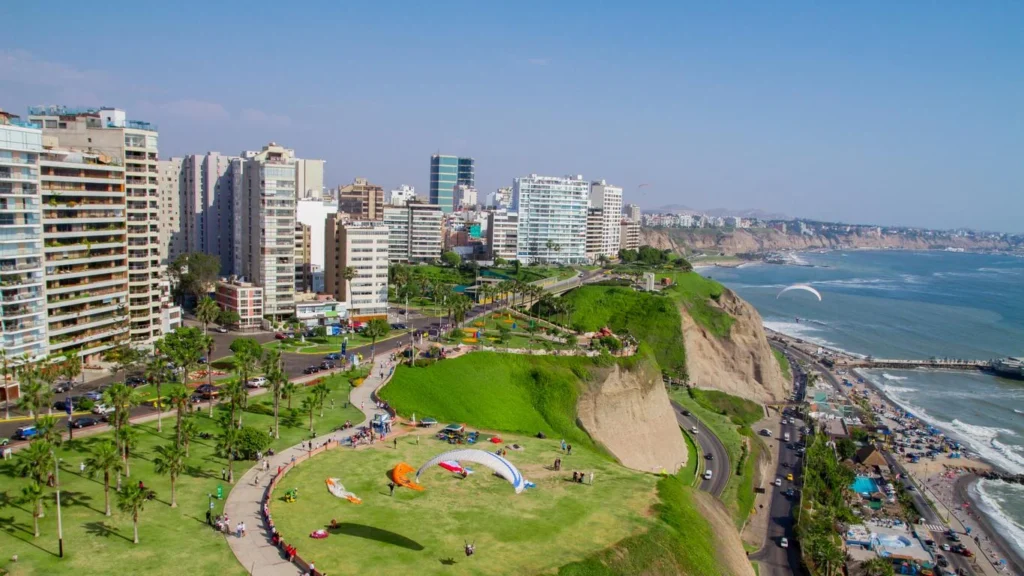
(729, 550)
(742, 364)
(628, 412)
(767, 240)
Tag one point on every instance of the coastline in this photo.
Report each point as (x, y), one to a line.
(985, 526)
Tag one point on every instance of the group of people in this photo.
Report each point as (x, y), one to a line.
(579, 477)
(223, 524)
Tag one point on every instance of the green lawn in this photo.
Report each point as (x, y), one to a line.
(519, 337)
(172, 541)
(688, 475)
(783, 364)
(694, 292)
(442, 273)
(525, 394)
(328, 344)
(537, 531)
(650, 318)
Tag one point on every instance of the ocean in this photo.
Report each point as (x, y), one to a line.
(891, 304)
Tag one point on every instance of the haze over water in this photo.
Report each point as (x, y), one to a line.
(917, 305)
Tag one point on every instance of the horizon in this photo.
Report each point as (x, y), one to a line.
(868, 113)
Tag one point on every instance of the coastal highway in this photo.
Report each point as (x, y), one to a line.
(707, 443)
(775, 560)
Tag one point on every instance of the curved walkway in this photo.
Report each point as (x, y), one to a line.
(254, 551)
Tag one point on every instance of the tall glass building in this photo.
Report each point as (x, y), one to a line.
(447, 172)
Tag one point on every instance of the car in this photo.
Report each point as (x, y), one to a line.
(135, 381)
(965, 551)
(786, 464)
(202, 360)
(685, 412)
(5, 441)
(789, 477)
(766, 432)
(207, 392)
(953, 536)
(326, 365)
(909, 488)
(941, 561)
(333, 356)
(790, 493)
(709, 456)
(778, 481)
(311, 370)
(221, 330)
(25, 432)
(945, 547)
(784, 542)
(707, 474)
(401, 326)
(63, 387)
(279, 336)
(95, 395)
(84, 422)
(102, 409)
(693, 430)
(257, 382)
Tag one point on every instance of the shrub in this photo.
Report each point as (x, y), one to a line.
(260, 408)
(85, 404)
(251, 441)
(457, 334)
(423, 362)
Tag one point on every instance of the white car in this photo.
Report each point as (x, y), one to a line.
(257, 382)
(707, 474)
(102, 409)
(784, 542)
(693, 429)
(778, 481)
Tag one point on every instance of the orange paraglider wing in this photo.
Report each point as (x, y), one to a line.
(399, 474)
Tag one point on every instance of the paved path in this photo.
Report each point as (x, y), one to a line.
(254, 551)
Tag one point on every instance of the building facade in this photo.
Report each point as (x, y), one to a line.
(264, 219)
(502, 234)
(633, 212)
(361, 200)
(172, 234)
(447, 172)
(607, 199)
(22, 286)
(552, 218)
(414, 232)
(402, 195)
(629, 235)
(595, 231)
(309, 178)
(465, 197)
(108, 132)
(362, 246)
(396, 218)
(245, 298)
(303, 257)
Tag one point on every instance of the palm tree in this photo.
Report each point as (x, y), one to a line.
(170, 460)
(188, 430)
(49, 430)
(71, 366)
(129, 441)
(33, 394)
(122, 359)
(207, 312)
(32, 494)
(35, 462)
(226, 446)
(178, 397)
(121, 397)
(309, 407)
(156, 373)
(321, 391)
(106, 459)
(878, 567)
(234, 392)
(288, 391)
(131, 500)
(349, 273)
(375, 329)
(246, 363)
(6, 369)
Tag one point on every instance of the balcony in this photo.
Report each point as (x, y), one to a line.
(14, 326)
(94, 243)
(18, 189)
(21, 267)
(67, 340)
(73, 310)
(66, 271)
(59, 328)
(93, 283)
(63, 301)
(14, 310)
(86, 256)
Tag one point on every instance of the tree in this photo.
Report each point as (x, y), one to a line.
(234, 392)
(48, 429)
(207, 312)
(499, 261)
(878, 567)
(571, 339)
(320, 332)
(122, 398)
(170, 460)
(628, 256)
(252, 441)
(71, 366)
(178, 397)
(349, 273)
(247, 358)
(194, 274)
(131, 500)
(188, 429)
(288, 391)
(156, 374)
(122, 359)
(226, 446)
(321, 391)
(375, 329)
(228, 318)
(34, 394)
(32, 494)
(275, 380)
(845, 448)
(309, 407)
(185, 346)
(451, 259)
(6, 371)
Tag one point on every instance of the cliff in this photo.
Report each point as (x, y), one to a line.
(731, 242)
(729, 547)
(628, 412)
(741, 364)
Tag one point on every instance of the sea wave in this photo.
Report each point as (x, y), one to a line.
(888, 376)
(889, 389)
(995, 506)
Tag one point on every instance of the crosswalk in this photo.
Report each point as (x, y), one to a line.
(933, 527)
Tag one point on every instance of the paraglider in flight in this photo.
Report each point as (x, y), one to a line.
(499, 465)
(804, 287)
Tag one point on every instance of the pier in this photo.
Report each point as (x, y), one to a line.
(898, 364)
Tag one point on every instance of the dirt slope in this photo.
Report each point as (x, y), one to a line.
(741, 365)
(731, 555)
(628, 412)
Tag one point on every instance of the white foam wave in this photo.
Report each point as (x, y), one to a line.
(888, 376)
(994, 507)
(806, 331)
(888, 389)
(1018, 411)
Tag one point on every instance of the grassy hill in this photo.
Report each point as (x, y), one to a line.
(695, 293)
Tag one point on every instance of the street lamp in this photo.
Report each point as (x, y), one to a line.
(56, 480)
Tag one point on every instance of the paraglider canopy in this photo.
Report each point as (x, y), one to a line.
(804, 287)
(499, 465)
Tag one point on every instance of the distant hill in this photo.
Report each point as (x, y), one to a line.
(721, 212)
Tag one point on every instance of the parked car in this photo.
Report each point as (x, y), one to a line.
(784, 542)
(135, 381)
(326, 365)
(941, 560)
(221, 330)
(789, 477)
(945, 547)
(766, 432)
(102, 409)
(778, 481)
(311, 370)
(279, 336)
(84, 422)
(333, 356)
(25, 432)
(257, 382)
(207, 392)
(790, 493)
(5, 441)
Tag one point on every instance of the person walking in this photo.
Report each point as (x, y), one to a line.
(209, 517)
(238, 530)
(243, 529)
(391, 486)
(256, 480)
(568, 449)
(395, 441)
(563, 445)
(223, 474)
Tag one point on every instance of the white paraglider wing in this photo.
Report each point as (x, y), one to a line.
(499, 465)
(799, 287)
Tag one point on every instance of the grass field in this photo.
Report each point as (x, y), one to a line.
(525, 394)
(320, 346)
(650, 318)
(556, 523)
(694, 291)
(783, 364)
(519, 337)
(172, 541)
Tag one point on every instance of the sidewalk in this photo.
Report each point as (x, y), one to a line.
(254, 551)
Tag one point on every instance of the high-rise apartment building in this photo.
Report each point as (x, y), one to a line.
(396, 218)
(502, 234)
(447, 172)
(632, 212)
(629, 235)
(303, 257)
(414, 232)
(361, 200)
(363, 246)
(465, 197)
(607, 199)
(595, 229)
(309, 178)
(22, 291)
(552, 218)
(500, 198)
(172, 233)
(207, 187)
(264, 219)
(402, 196)
(108, 132)
(87, 265)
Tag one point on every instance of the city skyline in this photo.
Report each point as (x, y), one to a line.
(894, 117)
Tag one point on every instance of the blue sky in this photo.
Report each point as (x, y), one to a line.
(890, 113)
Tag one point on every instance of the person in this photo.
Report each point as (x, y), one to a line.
(243, 528)
(574, 476)
(470, 549)
(223, 474)
(312, 568)
(238, 530)
(563, 445)
(391, 486)
(81, 467)
(209, 517)
(256, 480)
(334, 523)
(568, 449)
(395, 442)
(141, 485)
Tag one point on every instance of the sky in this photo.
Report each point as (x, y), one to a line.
(895, 113)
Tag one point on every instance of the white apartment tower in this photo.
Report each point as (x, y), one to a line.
(22, 290)
(414, 232)
(264, 222)
(204, 187)
(402, 195)
(362, 246)
(632, 212)
(502, 234)
(607, 199)
(108, 133)
(552, 218)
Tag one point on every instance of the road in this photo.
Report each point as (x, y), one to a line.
(707, 443)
